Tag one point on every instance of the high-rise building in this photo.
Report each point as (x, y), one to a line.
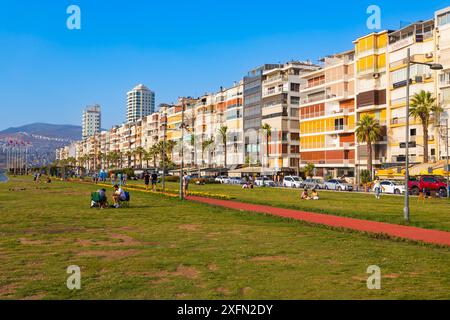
(140, 103)
(419, 38)
(280, 111)
(91, 121)
(371, 81)
(442, 56)
(327, 116)
(252, 113)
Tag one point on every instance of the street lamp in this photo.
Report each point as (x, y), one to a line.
(182, 151)
(409, 62)
(444, 132)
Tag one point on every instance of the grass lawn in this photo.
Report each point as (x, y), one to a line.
(432, 214)
(161, 248)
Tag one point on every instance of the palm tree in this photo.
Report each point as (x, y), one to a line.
(170, 145)
(368, 130)
(128, 154)
(205, 145)
(268, 131)
(153, 153)
(223, 136)
(147, 157)
(309, 170)
(423, 106)
(140, 152)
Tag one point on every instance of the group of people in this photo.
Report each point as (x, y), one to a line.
(119, 195)
(119, 179)
(314, 195)
(150, 177)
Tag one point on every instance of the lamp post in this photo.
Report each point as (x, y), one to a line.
(444, 132)
(182, 152)
(164, 157)
(409, 62)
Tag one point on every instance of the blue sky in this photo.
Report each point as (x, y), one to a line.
(49, 73)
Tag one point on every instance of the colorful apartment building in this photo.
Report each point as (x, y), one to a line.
(327, 116)
(419, 39)
(280, 110)
(371, 81)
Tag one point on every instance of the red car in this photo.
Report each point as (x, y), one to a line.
(428, 183)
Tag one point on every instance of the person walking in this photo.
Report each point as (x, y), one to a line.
(186, 179)
(124, 178)
(113, 178)
(120, 179)
(146, 180)
(154, 180)
(377, 188)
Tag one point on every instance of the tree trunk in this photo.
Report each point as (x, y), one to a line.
(225, 152)
(267, 151)
(425, 141)
(369, 157)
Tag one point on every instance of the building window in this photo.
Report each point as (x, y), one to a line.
(413, 132)
(295, 87)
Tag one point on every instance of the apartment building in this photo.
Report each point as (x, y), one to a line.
(140, 103)
(252, 113)
(327, 116)
(371, 81)
(280, 110)
(419, 38)
(442, 56)
(91, 121)
(234, 122)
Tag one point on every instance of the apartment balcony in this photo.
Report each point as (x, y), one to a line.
(276, 79)
(271, 92)
(331, 162)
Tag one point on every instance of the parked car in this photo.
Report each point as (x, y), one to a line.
(313, 184)
(236, 180)
(393, 187)
(220, 179)
(428, 183)
(292, 182)
(338, 184)
(264, 182)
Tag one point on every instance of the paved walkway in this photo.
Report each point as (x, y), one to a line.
(394, 230)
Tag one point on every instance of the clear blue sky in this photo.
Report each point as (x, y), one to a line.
(49, 73)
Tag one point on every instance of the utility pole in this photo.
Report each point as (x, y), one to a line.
(164, 149)
(408, 76)
(182, 151)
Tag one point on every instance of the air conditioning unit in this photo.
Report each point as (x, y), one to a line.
(429, 55)
(419, 79)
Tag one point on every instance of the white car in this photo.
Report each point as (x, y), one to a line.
(292, 182)
(392, 187)
(220, 179)
(264, 182)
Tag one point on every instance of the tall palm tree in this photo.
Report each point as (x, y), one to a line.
(205, 145)
(368, 130)
(223, 130)
(147, 157)
(140, 152)
(268, 132)
(170, 146)
(153, 153)
(129, 154)
(423, 106)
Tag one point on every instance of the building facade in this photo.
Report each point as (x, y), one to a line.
(91, 121)
(140, 103)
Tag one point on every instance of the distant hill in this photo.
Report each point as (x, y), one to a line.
(62, 131)
(43, 139)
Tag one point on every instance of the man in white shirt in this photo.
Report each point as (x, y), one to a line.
(118, 195)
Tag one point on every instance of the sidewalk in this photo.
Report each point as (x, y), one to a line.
(394, 230)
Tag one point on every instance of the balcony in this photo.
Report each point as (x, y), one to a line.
(275, 79)
(274, 91)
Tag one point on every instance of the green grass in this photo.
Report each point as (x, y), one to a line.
(161, 248)
(432, 214)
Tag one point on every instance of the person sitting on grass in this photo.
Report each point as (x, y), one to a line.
(315, 195)
(305, 195)
(118, 195)
(103, 199)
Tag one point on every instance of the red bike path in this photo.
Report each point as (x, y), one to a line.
(394, 230)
